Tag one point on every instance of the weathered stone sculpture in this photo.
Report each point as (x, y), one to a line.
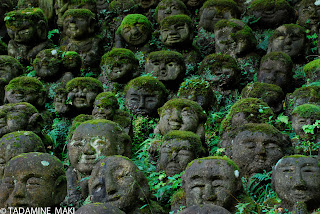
(9, 67)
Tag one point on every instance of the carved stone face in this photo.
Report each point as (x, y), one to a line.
(76, 27)
(13, 120)
(225, 44)
(25, 32)
(309, 15)
(175, 154)
(175, 34)
(255, 152)
(292, 43)
(101, 111)
(135, 35)
(16, 143)
(115, 181)
(165, 10)
(60, 103)
(194, 3)
(165, 69)
(210, 181)
(272, 16)
(89, 143)
(143, 102)
(297, 179)
(183, 119)
(209, 17)
(30, 180)
(298, 122)
(82, 97)
(8, 71)
(120, 70)
(47, 65)
(274, 72)
(201, 99)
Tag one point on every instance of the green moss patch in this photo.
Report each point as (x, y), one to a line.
(224, 158)
(307, 111)
(261, 90)
(263, 5)
(107, 99)
(80, 13)
(278, 56)
(26, 84)
(167, 56)
(214, 61)
(177, 20)
(310, 68)
(17, 17)
(133, 19)
(148, 83)
(119, 55)
(89, 83)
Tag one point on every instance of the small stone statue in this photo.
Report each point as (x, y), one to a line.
(9, 68)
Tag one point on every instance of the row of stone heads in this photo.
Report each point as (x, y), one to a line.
(37, 179)
(232, 36)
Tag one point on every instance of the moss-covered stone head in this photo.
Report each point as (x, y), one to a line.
(182, 114)
(82, 91)
(234, 37)
(177, 150)
(25, 89)
(15, 143)
(105, 106)
(312, 70)
(308, 15)
(213, 11)
(33, 179)
(79, 24)
(92, 140)
(48, 64)
(72, 62)
(272, 13)
(28, 26)
(167, 8)
(276, 68)
(119, 65)
(129, 186)
(205, 172)
(121, 7)
(198, 90)
(144, 95)
(9, 67)
(289, 39)
(168, 66)
(268, 93)
(135, 29)
(303, 95)
(176, 30)
(221, 70)
(248, 110)
(256, 147)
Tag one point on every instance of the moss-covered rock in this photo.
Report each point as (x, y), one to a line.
(81, 13)
(148, 83)
(107, 99)
(311, 68)
(201, 87)
(262, 90)
(26, 84)
(254, 109)
(16, 18)
(219, 60)
(132, 19)
(278, 56)
(5, 59)
(307, 111)
(177, 20)
(193, 139)
(312, 93)
(89, 83)
(119, 55)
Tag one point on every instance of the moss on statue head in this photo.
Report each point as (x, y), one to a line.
(267, 5)
(198, 86)
(312, 68)
(291, 29)
(167, 3)
(307, 111)
(254, 109)
(221, 6)
(180, 103)
(262, 90)
(193, 139)
(119, 55)
(177, 20)
(148, 83)
(214, 61)
(107, 99)
(278, 56)
(79, 13)
(16, 18)
(55, 57)
(120, 6)
(133, 19)
(89, 83)
(312, 93)
(222, 158)
(72, 57)
(242, 31)
(15, 138)
(13, 62)
(167, 56)
(26, 84)
(28, 108)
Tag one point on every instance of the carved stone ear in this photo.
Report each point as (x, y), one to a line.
(42, 30)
